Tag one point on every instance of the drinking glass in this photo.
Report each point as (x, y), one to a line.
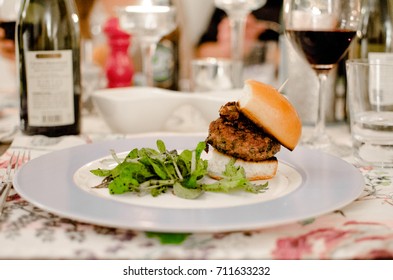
(321, 31)
(149, 22)
(370, 95)
(237, 11)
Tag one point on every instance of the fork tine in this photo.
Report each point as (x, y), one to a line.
(8, 182)
(7, 175)
(28, 156)
(9, 165)
(7, 186)
(16, 164)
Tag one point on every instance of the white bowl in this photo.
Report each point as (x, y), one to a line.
(144, 109)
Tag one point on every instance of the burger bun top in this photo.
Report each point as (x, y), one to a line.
(271, 111)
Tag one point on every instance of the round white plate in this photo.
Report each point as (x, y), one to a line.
(309, 183)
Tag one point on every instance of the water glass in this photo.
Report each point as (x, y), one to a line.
(210, 73)
(370, 93)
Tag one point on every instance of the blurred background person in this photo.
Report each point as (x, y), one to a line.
(261, 56)
(7, 46)
(9, 10)
(261, 25)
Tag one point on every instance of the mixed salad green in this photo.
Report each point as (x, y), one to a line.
(155, 171)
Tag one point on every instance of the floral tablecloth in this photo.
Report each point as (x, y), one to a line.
(361, 230)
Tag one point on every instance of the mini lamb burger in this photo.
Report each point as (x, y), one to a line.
(252, 131)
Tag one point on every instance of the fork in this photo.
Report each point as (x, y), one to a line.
(12, 168)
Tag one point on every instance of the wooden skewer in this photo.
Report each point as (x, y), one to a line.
(282, 85)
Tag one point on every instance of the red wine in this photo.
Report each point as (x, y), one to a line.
(324, 48)
(9, 29)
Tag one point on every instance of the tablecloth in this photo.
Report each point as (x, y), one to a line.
(361, 230)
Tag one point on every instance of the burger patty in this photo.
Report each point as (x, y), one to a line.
(235, 135)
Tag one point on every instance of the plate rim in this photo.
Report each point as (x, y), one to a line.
(190, 220)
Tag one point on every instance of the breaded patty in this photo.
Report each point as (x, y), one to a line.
(235, 135)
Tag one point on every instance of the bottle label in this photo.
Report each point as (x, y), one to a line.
(380, 81)
(50, 88)
(163, 63)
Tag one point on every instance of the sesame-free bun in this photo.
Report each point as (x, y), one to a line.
(271, 111)
(255, 170)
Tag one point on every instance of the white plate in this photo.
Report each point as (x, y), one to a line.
(309, 183)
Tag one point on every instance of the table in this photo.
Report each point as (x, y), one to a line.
(361, 230)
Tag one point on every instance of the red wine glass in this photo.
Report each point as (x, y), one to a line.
(321, 31)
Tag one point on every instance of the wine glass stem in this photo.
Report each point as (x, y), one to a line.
(238, 25)
(148, 49)
(319, 131)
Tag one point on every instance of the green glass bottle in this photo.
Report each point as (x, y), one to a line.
(48, 44)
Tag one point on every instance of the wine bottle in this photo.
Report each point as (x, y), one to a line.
(166, 66)
(166, 62)
(376, 31)
(375, 43)
(48, 44)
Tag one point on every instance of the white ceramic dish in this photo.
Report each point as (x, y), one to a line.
(320, 183)
(143, 109)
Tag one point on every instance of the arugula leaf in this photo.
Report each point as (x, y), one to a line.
(186, 193)
(199, 149)
(150, 171)
(128, 177)
(195, 165)
(101, 172)
(234, 178)
(158, 167)
(161, 146)
(134, 154)
(169, 238)
(200, 171)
